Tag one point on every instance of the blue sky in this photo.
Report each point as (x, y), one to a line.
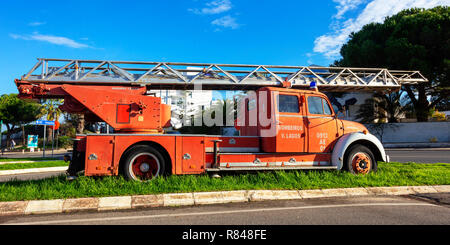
(279, 32)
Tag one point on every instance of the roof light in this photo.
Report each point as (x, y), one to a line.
(313, 86)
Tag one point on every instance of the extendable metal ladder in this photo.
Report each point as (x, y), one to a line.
(177, 75)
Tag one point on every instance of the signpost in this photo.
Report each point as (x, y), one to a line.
(1, 136)
(54, 137)
(45, 123)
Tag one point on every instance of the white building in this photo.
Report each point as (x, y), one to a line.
(356, 99)
(184, 103)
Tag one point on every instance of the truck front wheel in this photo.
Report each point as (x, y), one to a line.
(360, 160)
(143, 163)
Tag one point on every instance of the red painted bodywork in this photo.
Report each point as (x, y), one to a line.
(301, 137)
(124, 108)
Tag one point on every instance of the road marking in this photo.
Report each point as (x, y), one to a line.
(216, 212)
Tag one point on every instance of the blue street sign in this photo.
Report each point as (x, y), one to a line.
(45, 122)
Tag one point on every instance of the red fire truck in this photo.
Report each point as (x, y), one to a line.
(300, 129)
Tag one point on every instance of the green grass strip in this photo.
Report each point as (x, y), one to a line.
(46, 164)
(389, 174)
(27, 159)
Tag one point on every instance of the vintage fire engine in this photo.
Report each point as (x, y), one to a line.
(302, 130)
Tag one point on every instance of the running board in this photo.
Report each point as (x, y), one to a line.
(271, 168)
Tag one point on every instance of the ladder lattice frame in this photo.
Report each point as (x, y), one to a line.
(177, 75)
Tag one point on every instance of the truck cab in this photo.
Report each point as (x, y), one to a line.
(303, 121)
(293, 120)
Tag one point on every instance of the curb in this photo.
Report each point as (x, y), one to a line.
(200, 198)
(32, 170)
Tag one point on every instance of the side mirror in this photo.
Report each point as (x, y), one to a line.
(339, 115)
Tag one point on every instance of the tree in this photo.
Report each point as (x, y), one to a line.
(414, 39)
(50, 108)
(377, 111)
(73, 124)
(17, 112)
(382, 108)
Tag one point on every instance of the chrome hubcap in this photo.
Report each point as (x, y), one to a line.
(145, 167)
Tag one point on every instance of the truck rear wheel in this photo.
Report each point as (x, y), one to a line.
(143, 163)
(360, 160)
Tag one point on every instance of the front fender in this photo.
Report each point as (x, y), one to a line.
(337, 157)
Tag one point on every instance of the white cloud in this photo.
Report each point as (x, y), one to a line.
(63, 41)
(375, 11)
(345, 6)
(214, 7)
(217, 7)
(36, 23)
(226, 21)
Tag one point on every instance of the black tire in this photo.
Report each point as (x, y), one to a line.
(360, 160)
(143, 163)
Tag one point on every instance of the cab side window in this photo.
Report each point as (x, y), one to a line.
(318, 105)
(315, 105)
(326, 108)
(288, 103)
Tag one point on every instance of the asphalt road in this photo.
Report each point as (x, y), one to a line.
(422, 155)
(48, 153)
(30, 176)
(395, 210)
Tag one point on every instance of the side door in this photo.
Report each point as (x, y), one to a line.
(321, 124)
(193, 154)
(290, 129)
(99, 155)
